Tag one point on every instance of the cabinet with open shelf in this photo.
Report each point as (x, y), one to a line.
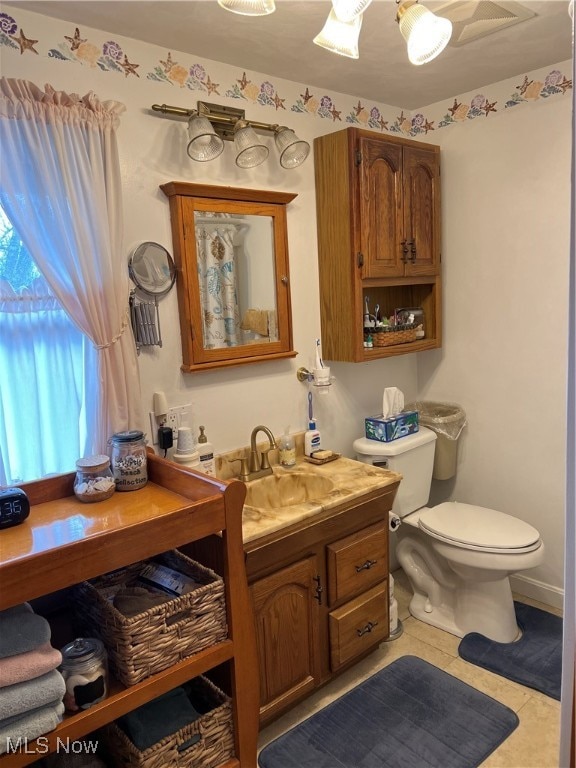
(64, 542)
(378, 217)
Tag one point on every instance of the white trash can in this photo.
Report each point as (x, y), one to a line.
(447, 420)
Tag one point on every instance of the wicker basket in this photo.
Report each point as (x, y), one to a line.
(394, 336)
(206, 743)
(161, 636)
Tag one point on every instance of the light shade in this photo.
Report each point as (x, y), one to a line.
(249, 7)
(204, 143)
(425, 33)
(251, 152)
(293, 151)
(340, 36)
(346, 10)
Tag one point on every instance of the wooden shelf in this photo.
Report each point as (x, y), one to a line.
(64, 542)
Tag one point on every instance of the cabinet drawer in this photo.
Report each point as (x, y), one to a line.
(357, 562)
(358, 625)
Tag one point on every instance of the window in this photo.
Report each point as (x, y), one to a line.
(42, 364)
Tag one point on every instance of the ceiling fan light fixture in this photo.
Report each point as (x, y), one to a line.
(293, 151)
(425, 33)
(346, 10)
(340, 36)
(204, 144)
(249, 7)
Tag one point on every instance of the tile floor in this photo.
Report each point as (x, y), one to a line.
(534, 744)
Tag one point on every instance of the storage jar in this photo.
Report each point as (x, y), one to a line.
(128, 458)
(94, 480)
(85, 671)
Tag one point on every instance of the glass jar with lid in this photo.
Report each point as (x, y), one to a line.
(85, 671)
(128, 459)
(94, 480)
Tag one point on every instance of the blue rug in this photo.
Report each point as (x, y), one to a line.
(535, 660)
(408, 715)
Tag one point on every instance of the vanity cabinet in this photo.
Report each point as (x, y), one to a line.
(320, 596)
(378, 218)
(65, 541)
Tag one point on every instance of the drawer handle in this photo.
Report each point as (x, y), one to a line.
(368, 628)
(366, 566)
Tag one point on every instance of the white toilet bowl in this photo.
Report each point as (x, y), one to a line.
(458, 558)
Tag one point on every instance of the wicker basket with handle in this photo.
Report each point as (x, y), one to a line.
(207, 742)
(393, 336)
(161, 636)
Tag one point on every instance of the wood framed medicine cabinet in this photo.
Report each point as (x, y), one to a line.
(208, 224)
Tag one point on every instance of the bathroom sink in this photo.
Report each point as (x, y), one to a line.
(275, 491)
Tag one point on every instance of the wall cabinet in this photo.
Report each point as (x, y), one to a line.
(378, 216)
(320, 596)
(64, 541)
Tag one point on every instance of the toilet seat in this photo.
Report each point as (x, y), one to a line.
(479, 528)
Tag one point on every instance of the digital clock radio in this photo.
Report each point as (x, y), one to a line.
(14, 507)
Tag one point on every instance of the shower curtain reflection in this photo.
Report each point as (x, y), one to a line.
(216, 246)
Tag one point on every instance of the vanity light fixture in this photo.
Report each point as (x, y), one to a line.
(425, 33)
(210, 125)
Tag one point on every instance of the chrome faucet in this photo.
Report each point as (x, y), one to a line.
(256, 465)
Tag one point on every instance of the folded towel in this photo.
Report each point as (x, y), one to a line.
(26, 666)
(21, 630)
(9, 720)
(131, 601)
(31, 694)
(157, 719)
(30, 726)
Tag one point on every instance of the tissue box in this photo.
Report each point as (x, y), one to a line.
(387, 429)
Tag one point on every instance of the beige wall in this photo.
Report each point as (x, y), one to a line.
(505, 230)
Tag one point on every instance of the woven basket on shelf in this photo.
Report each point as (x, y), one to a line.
(206, 743)
(394, 336)
(161, 636)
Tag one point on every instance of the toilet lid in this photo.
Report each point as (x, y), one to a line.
(479, 528)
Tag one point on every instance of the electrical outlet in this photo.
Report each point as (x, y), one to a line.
(175, 417)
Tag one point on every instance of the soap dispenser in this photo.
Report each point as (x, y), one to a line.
(206, 451)
(287, 450)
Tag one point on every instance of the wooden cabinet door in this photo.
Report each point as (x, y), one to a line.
(421, 174)
(381, 210)
(287, 634)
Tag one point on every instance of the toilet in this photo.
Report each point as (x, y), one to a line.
(458, 557)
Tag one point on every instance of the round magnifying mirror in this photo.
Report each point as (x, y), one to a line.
(152, 269)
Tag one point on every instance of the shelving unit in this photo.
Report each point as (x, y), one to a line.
(64, 542)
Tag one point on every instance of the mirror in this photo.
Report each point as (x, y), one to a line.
(152, 269)
(231, 249)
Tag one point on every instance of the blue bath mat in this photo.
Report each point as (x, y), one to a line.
(535, 660)
(408, 715)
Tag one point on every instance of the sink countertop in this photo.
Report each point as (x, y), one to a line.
(352, 480)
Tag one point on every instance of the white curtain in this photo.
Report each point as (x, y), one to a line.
(61, 189)
(42, 416)
(217, 276)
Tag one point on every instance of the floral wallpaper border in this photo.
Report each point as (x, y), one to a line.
(127, 57)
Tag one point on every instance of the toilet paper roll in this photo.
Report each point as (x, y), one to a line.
(394, 522)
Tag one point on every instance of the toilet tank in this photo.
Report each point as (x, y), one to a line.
(412, 457)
